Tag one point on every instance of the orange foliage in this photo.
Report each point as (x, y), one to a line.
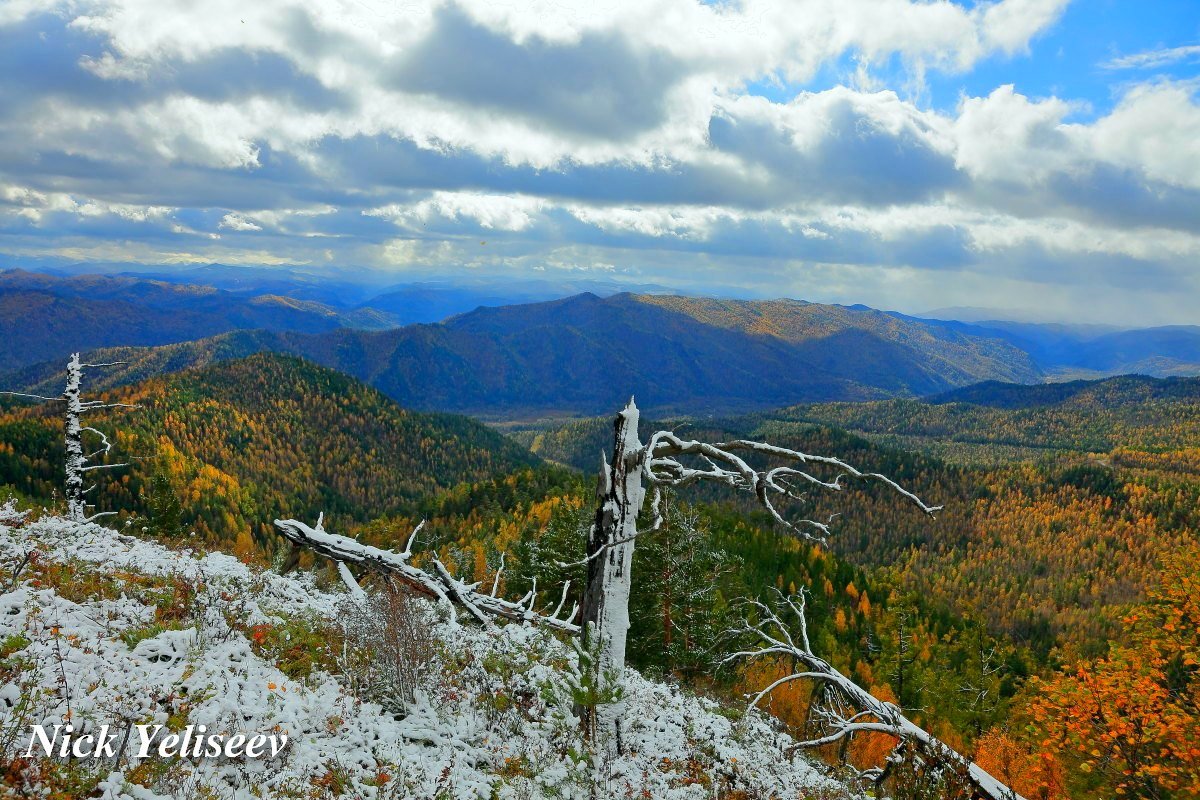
(1031, 772)
(870, 749)
(1131, 720)
(788, 702)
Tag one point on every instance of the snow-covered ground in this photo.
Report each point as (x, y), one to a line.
(103, 628)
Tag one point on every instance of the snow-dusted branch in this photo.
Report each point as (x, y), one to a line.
(723, 462)
(853, 710)
(32, 396)
(438, 584)
(639, 472)
(10, 516)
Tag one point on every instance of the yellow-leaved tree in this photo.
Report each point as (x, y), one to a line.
(1128, 724)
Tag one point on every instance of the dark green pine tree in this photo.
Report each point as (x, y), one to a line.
(677, 610)
(163, 506)
(564, 542)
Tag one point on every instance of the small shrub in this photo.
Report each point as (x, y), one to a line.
(388, 648)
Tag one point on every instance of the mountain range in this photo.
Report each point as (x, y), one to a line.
(587, 354)
(45, 316)
(1066, 352)
(576, 355)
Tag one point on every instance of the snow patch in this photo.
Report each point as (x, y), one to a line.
(491, 722)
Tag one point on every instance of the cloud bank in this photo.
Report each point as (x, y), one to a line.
(636, 137)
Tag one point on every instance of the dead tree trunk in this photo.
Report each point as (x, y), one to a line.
(605, 612)
(76, 462)
(668, 461)
(438, 585)
(73, 438)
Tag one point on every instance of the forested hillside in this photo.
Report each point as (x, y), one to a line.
(1073, 552)
(1034, 563)
(239, 443)
(1129, 412)
(1048, 543)
(587, 354)
(227, 449)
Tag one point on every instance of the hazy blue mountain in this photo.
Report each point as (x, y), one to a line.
(588, 354)
(430, 299)
(46, 317)
(434, 301)
(1095, 351)
(339, 289)
(1122, 390)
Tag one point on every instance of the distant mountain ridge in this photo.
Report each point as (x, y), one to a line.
(948, 356)
(587, 354)
(44, 316)
(430, 299)
(1118, 390)
(48, 314)
(438, 300)
(1065, 352)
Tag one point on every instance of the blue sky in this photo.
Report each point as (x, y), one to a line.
(1036, 157)
(1071, 58)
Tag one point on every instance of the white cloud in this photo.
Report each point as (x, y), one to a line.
(236, 222)
(1154, 59)
(1008, 137)
(1156, 130)
(682, 222)
(1009, 26)
(621, 79)
(592, 134)
(489, 212)
(188, 129)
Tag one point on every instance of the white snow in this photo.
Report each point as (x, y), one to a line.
(493, 721)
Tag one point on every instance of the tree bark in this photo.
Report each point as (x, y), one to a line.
(605, 612)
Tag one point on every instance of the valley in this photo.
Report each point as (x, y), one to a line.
(1065, 504)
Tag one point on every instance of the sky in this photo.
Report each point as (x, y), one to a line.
(1036, 157)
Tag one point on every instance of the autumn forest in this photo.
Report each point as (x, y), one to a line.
(1045, 620)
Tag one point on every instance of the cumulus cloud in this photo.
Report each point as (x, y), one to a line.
(576, 135)
(236, 222)
(840, 145)
(600, 85)
(1154, 130)
(468, 211)
(1008, 137)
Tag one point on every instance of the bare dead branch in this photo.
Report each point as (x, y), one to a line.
(439, 585)
(725, 464)
(853, 710)
(34, 396)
